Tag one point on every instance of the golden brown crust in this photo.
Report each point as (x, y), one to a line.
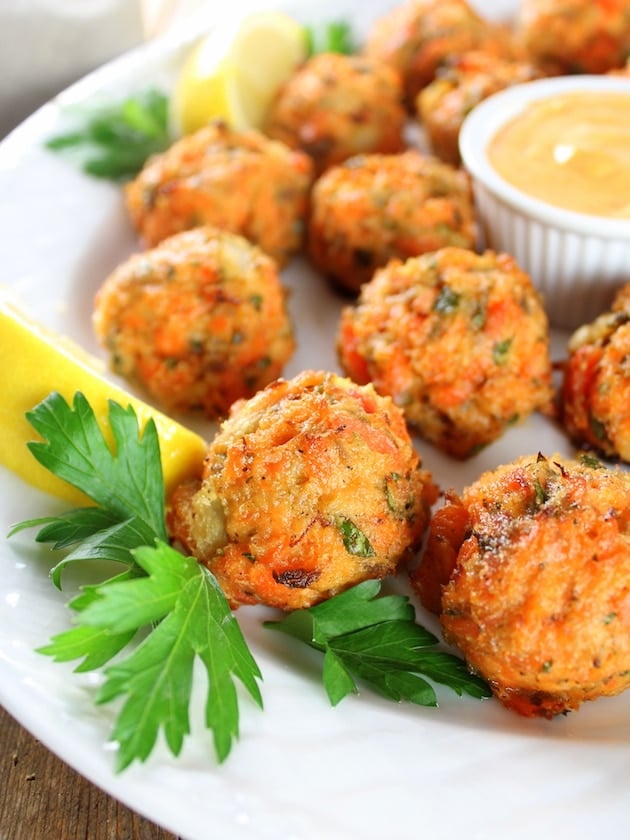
(538, 600)
(576, 36)
(200, 320)
(449, 527)
(241, 182)
(595, 394)
(459, 340)
(373, 208)
(417, 36)
(310, 487)
(462, 83)
(336, 106)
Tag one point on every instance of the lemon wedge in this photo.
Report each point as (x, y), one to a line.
(234, 72)
(36, 363)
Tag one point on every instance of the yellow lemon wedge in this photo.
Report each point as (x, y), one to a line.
(235, 71)
(34, 363)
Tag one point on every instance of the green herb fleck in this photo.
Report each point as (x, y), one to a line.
(500, 351)
(354, 540)
(478, 317)
(391, 479)
(541, 495)
(597, 428)
(446, 301)
(399, 507)
(590, 461)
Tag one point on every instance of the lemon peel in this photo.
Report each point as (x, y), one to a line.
(36, 362)
(234, 72)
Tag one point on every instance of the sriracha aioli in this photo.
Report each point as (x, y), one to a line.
(571, 150)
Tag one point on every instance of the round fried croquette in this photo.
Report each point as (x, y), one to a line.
(310, 487)
(621, 300)
(462, 83)
(417, 36)
(242, 182)
(621, 71)
(595, 393)
(336, 106)
(199, 321)
(529, 571)
(459, 340)
(373, 208)
(576, 36)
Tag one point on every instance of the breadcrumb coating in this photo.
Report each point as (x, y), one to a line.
(595, 393)
(242, 182)
(530, 572)
(576, 36)
(310, 487)
(417, 36)
(462, 83)
(199, 321)
(336, 106)
(373, 208)
(459, 340)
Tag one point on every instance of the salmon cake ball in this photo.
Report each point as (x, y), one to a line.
(336, 106)
(576, 36)
(372, 208)
(621, 71)
(310, 487)
(417, 36)
(621, 300)
(459, 340)
(595, 394)
(241, 182)
(462, 83)
(529, 571)
(199, 321)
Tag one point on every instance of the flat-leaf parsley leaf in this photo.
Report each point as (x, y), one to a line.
(378, 641)
(172, 598)
(334, 36)
(114, 140)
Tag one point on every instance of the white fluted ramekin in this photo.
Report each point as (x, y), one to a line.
(576, 260)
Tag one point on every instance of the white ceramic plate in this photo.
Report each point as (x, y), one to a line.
(303, 770)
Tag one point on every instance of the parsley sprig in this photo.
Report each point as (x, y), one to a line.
(378, 641)
(175, 607)
(334, 36)
(170, 597)
(115, 139)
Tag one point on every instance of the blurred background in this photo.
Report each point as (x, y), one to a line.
(45, 45)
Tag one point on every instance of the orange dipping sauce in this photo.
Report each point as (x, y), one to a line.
(571, 150)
